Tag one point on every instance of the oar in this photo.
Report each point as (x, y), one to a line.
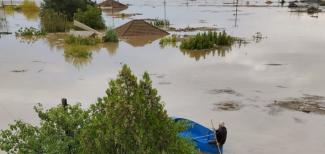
(215, 135)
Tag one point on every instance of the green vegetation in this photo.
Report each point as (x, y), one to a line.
(110, 36)
(66, 7)
(73, 40)
(160, 23)
(29, 31)
(129, 119)
(92, 17)
(168, 40)
(52, 21)
(56, 16)
(78, 55)
(207, 41)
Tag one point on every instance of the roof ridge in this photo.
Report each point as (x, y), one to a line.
(128, 28)
(155, 27)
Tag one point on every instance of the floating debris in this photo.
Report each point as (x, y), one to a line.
(258, 36)
(274, 64)
(191, 29)
(307, 104)
(228, 106)
(280, 86)
(224, 91)
(19, 71)
(164, 83)
(298, 120)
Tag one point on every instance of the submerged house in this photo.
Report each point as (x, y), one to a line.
(139, 32)
(139, 28)
(112, 4)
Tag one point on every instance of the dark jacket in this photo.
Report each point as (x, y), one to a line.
(221, 135)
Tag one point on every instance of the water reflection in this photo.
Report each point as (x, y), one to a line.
(30, 15)
(141, 41)
(78, 55)
(28, 39)
(202, 54)
(111, 48)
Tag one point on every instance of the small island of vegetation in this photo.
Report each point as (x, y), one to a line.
(208, 40)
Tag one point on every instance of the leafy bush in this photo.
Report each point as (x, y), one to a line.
(129, 119)
(110, 36)
(81, 41)
(92, 17)
(66, 7)
(168, 40)
(52, 21)
(29, 31)
(207, 41)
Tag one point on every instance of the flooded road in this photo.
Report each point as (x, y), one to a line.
(287, 62)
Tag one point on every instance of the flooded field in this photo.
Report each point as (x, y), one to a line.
(287, 62)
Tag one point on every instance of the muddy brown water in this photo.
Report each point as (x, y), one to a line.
(186, 80)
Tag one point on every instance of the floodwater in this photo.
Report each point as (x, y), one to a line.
(287, 62)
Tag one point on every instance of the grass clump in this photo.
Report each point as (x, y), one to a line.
(160, 23)
(110, 36)
(92, 17)
(77, 40)
(168, 40)
(207, 41)
(29, 31)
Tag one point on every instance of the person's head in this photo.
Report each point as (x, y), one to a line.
(221, 124)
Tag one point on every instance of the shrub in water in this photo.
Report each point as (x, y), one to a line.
(29, 31)
(77, 40)
(110, 36)
(168, 40)
(92, 17)
(207, 41)
(78, 55)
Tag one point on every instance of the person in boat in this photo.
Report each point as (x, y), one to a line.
(221, 134)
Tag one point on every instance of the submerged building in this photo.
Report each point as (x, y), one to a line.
(111, 4)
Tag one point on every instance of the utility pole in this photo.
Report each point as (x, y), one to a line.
(165, 18)
(236, 13)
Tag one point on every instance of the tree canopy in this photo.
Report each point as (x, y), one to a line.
(67, 7)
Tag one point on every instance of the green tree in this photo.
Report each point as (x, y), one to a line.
(92, 17)
(129, 119)
(67, 7)
(132, 119)
(58, 132)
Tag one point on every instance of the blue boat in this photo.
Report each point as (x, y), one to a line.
(200, 135)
